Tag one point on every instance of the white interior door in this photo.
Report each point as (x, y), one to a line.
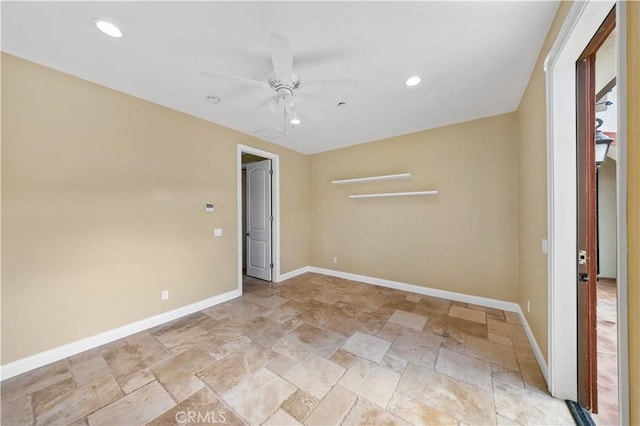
(259, 220)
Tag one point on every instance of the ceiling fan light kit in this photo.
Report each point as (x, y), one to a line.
(107, 27)
(414, 80)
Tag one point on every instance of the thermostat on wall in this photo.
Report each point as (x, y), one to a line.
(208, 208)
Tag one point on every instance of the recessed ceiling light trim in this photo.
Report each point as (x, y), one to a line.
(414, 80)
(107, 27)
(213, 99)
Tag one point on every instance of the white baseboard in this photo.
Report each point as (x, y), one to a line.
(47, 357)
(292, 274)
(38, 360)
(542, 363)
(459, 297)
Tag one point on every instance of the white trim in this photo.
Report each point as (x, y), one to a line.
(581, 24)
(542, 363)
(372, 178)
(621, 197)
(394, 194)
(427, 291)
(292, 274)
(61, 352)
(458, 297)
(275, 206)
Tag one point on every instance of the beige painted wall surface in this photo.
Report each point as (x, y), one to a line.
(607, 212)
(463, 240)
(102, 198)
(532, 192)
(633, 207)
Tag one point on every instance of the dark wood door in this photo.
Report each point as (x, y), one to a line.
(587, 262)
(587, 218)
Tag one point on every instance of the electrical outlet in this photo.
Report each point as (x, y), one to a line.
(165, 294)
(528, 306)
(335, 259)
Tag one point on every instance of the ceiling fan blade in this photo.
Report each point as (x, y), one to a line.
(323, 85)
(281, 57)
(236, 79)
(270, 104)
(309, 109)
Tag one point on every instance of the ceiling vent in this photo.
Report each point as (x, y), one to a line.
(270, 133)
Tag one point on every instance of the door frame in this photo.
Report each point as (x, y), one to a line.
(264, 235)
(581, 23)
(275, 208)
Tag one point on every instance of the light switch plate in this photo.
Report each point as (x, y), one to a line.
(545, 246)
(217, 232)
(208, 208)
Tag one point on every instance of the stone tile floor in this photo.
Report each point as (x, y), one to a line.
(313, 350)
(607, 353)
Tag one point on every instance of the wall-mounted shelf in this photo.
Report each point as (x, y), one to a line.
(372, 178)
(394, 194)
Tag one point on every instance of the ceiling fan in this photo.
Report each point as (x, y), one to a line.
(286, 85)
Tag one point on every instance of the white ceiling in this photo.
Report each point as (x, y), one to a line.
(475, 58)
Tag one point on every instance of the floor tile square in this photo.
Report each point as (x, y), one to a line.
(333, 408)
(257, 406)
(299, 405)
(272, 302)
(138, 407)
(469, 314)
(367, 346)
(416, 413)
(281, 418)
(491, 352)
(204, 407)
(468, 403)
(290, 348)
(370, 381)
(419, 347)
(366, 413)
(465, 368)
(73, 405)
(408, 319)
(538, 409)
(315, 375)
(317, 340)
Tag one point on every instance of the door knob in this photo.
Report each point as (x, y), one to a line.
(583, 277)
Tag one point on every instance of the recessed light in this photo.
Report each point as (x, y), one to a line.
(107, 27)
(413, 80)
(213, 99)
(295, 121)
(342, 104)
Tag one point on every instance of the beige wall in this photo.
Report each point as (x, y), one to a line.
(532, 197)
(633, 208)
(463, 240)
(607, 213)
(102, 198)
(532, 192)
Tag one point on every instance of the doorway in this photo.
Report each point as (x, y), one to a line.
(594, 79)
(258, 216)
(606, 101)
(581, 24)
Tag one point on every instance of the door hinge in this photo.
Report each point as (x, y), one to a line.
(271, 265)
(271, 172)
(270, 218)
